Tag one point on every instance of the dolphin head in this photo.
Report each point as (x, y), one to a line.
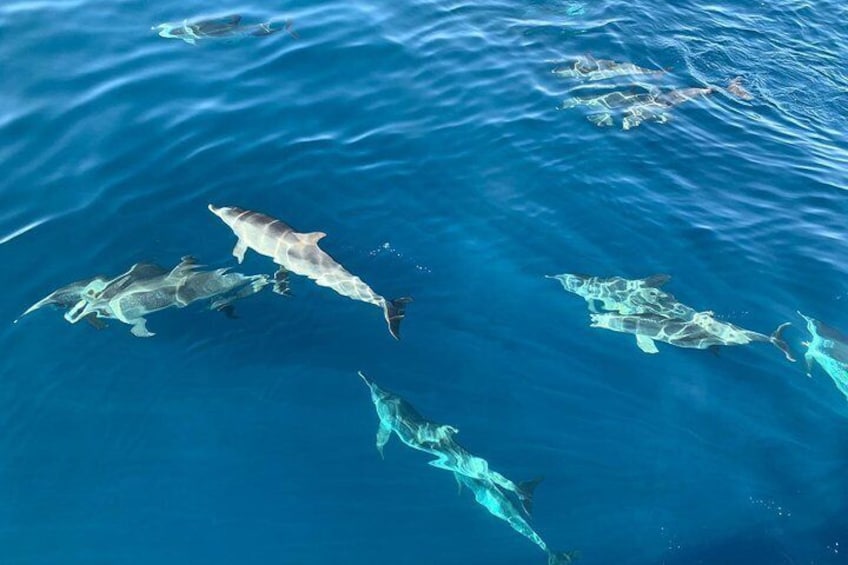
(572, 282)
(229, 214)
(378, 395)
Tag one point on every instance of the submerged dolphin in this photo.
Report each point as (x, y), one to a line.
(701, 332)
(299, 253)
(148, 288)
(66, 296)
(398, 416)
(737, 89)
(588, 68)
(626, 296)
(217, 28)
(829, 348)
(656, 109)
(489, 496)
(401, 418)
(607, 103)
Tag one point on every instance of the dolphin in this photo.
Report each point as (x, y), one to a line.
(609, 100)
(227, 27)
(829, 348)
(299, 253)
(607, 104)
(130, 297)
(69, 296)
(737, 89)
(66, 296)
(487, 494)
(400, 417)
(701, 332)
(656, 109)
(587, 68)
(626, 296)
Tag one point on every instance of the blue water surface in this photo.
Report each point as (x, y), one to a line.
(424, 137)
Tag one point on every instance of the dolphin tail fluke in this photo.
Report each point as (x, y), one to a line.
(562, 557)
(290, 29)
(778, 341)
(525, 493)
(395, 310)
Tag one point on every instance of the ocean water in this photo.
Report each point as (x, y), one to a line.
(425, 138)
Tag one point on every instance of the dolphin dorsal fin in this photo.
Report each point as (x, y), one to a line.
(311, 237)
(187, 265)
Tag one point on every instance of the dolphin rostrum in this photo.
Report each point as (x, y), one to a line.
(299, 253)
(829, 348)
(703, 331)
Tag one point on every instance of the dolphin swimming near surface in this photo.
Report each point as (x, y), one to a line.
(66, 296)
(300, 254)
(736, 88)
(227, 27)
(626, 296)
(148, 288)
(588, 68)
(703, 331)
(398, 416)
(490, 497)
(656, 109)
(829, 349)
(607, 103)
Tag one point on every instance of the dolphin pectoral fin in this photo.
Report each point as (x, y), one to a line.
(281, 282)
(656, 281)
(139, 328)
(458, 483)
(394, 311)
(239, 250)
(383, 434)
(189, 40)
(646, 344)
(590, 302)
(714, 349)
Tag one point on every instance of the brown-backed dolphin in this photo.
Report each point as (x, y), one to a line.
(300, 254)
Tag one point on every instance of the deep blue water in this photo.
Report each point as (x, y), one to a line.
(424, 138)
